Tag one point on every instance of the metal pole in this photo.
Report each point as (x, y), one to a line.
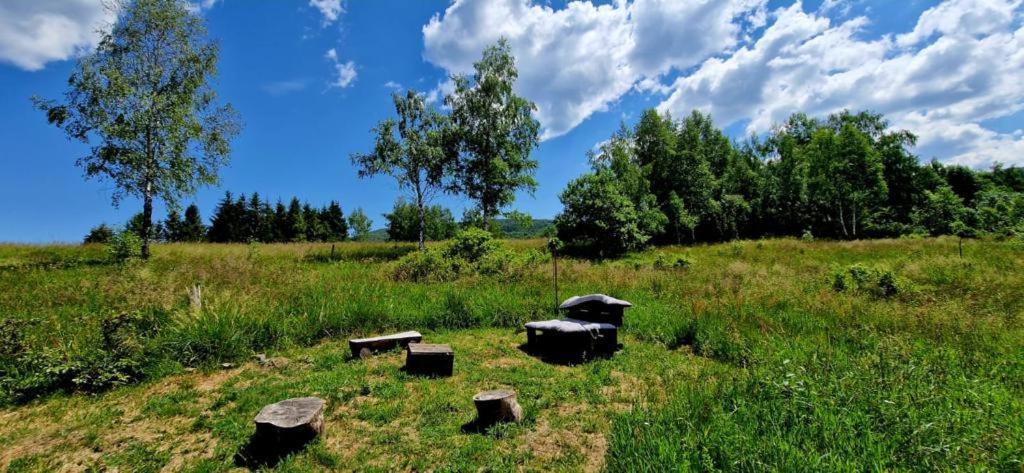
(554, 261)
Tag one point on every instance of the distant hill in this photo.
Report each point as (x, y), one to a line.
(508, 229)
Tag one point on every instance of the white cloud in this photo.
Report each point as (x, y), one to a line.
(580, 59)
(941, 90)
(392, 85)
(957, 67)
(438, 93)
(330, 9)
(36, 32)
(345, 72)
(962, 18)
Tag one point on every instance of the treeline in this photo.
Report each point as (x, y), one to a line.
(250, 219)
(846, 176)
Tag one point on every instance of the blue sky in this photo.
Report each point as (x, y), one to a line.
(310, 78)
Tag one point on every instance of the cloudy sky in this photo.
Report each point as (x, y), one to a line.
(312, 77)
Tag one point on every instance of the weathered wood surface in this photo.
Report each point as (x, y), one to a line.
(495, 406)
(382, 343)
(296, 420)
(429, 359)
(596, 308)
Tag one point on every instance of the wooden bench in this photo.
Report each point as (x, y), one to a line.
(362, 347)
(429, 359)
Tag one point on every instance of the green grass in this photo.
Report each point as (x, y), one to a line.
(748, 359)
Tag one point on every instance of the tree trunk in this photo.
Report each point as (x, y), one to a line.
(853, 210)
(423, 218)
(842, 222)
(147, 219)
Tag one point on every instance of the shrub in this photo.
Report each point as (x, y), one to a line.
(471, 245)
(430, 265)
(99, 234)
(664, 261)
(117, 358)
(807, 236)
(861, 278)
(125, 245)
(472, 251)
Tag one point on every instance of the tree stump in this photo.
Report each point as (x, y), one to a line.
(495, 406)
(429, 359)
(291, 422)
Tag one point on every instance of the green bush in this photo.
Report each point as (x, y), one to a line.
(472, 251)
(665, 261)
(117, 357)
(875, 281)
(430, 265)
(125, 245)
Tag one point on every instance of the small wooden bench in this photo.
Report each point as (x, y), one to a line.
(362, 347)
(429, 359)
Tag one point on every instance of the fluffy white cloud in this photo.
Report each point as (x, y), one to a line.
(345, 72)
(957, 67)
(35, 32)
(330, 9)
(956, 77)
(578, 60)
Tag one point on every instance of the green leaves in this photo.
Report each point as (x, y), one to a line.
(493, 133)
(144, 98)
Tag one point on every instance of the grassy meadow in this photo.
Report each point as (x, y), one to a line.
(748, 356)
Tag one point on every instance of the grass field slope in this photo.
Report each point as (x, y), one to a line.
(748, 356)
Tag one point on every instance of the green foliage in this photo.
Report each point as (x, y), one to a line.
(598, 218)
(941, 211)
(471, 251)
(242, 220)
(846, 176)
(492, 133)
(124, 246)
(144, 101)
(403, 222)
(360, 224)
(666, 261)
(860, 278)
(412, 149)
(101, 233)
(117, 357)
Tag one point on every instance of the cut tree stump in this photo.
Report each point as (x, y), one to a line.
(495, 406)
(382, 343)
(291, 422)
(429, 359)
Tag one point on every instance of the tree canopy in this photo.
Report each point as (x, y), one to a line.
(143, 99)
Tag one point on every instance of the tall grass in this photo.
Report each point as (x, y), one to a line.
(800, 376)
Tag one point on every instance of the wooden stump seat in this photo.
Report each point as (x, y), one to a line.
(429, 359)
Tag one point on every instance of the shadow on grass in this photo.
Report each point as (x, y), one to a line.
(266, 452)
(567, 358)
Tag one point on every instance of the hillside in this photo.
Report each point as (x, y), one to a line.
(779, 354)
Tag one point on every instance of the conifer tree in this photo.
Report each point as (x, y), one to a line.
(193, 229)
(295, 222)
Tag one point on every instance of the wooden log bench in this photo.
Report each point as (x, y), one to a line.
(428, 359)
(363, 347)
(571, 339)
